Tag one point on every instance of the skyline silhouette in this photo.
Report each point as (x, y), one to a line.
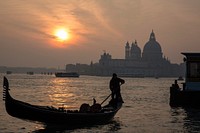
(27, 37)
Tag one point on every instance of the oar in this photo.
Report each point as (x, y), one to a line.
(106, 99)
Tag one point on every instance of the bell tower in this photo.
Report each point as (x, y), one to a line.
(127, 50)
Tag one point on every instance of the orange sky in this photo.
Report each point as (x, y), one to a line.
(27, 29)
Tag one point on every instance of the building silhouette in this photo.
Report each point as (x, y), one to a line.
(137, 63)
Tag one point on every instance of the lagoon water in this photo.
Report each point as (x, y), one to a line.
(146, 107)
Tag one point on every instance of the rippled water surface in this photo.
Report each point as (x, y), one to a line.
(146, 107)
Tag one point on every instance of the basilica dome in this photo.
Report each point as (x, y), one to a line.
(135, 48)
(135, 52)
(152, 49)
(152, 45)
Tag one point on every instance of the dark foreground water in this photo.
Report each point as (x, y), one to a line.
(146, 107)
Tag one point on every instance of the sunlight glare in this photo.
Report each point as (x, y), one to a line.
(62, 34)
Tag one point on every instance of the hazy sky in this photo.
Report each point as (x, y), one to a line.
(27, 28)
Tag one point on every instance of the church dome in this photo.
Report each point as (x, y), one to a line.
(135, 52)
(152, 49)
(135, 48)
(152, 45)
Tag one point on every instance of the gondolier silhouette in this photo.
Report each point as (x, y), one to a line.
(115, 84)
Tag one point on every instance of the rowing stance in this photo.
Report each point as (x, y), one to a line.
(115, 84)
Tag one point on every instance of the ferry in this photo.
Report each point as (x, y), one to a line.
(67, 74)
(189, 94)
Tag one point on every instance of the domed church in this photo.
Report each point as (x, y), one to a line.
(148, 63)
(137, 63)
(152, 50)
(133, 52)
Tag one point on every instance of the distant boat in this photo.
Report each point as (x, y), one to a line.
(180, 78)
(130, 75)
(67, 74)
(30, 73)
(8, 72)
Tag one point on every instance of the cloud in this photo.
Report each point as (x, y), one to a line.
(96, 25)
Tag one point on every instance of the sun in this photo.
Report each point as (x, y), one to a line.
(62, 34)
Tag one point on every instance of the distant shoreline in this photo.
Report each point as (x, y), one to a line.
(4, 69)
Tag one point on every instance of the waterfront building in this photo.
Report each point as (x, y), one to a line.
(137, 63)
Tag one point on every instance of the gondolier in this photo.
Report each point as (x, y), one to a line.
(115, 84)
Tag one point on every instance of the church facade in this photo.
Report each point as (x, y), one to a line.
(137, 63)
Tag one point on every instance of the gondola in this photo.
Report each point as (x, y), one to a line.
(51, 115)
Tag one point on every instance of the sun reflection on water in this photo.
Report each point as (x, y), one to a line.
(62, 93)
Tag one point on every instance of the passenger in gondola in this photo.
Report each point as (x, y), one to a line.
(96, 107)
(115, 84)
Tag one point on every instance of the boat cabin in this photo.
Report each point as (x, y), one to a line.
(192, 78)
